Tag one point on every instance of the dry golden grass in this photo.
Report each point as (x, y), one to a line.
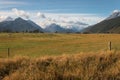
(83, 66)
(36, 45)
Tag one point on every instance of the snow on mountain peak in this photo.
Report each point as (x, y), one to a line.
(9, 19)
(115, 13)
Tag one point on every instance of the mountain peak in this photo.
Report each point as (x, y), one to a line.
(19, 19)
(54, 25)
(110, 25)
(115, 13)
(9, 19)
(19, 25)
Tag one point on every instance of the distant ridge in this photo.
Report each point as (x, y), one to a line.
(21, 25)
(109, 25)
(54, 28)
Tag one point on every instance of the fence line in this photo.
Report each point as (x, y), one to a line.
(110, 45)
(8, 50)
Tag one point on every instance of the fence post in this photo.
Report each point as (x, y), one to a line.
(8, 52)
(110, 46)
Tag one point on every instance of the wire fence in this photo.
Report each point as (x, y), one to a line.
(9, 52)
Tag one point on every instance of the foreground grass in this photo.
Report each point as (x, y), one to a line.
(36, 45)
(90, 66)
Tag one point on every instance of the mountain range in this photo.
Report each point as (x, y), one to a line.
(109, 25)
(19, 25)
(54, 28)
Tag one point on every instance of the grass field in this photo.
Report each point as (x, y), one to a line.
(36, 45)
(48, 57)
(84, 66)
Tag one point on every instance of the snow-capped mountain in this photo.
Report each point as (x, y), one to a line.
(8, 19)
(19, 25)
(71, 27)
(55, 28)
(109, 25)
(115, 13)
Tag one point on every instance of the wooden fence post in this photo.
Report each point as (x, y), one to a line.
(8, 52)
(110, 46)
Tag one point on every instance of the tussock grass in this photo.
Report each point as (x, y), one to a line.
(83, 66)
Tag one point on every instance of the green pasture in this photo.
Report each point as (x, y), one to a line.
(45, 44)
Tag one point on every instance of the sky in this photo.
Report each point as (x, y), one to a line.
(62, 12)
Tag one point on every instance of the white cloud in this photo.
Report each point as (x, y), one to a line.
(41, 15)
(21, 13)
(4, 15)
(70, 20)
(44, 19)
(2, 18)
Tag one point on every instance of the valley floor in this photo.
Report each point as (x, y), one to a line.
(36, 45)
(59, 56)
(83, 66)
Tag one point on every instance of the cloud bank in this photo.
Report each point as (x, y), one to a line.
(70, 20)
(45, 19)
(40, 15)
(21, 13)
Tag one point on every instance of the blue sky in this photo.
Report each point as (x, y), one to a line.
(51, 11)
(102, 7)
